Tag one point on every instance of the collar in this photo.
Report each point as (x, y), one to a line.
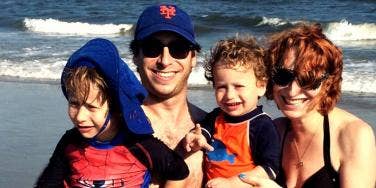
(247, 116)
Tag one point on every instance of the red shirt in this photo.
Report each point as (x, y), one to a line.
(115, 167)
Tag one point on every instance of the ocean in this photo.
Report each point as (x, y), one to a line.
(38, 36)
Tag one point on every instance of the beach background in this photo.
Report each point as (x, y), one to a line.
(37, 37)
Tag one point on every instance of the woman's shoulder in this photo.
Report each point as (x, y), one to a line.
(350, 130)
(347, 123)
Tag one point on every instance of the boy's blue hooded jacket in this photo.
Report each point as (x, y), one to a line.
(102, 55)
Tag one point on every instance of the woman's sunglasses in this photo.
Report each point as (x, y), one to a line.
(284, 77)
(179, 49)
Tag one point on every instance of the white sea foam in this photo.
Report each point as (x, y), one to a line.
(272, 21)
(53, 26)
(276, 21)
(345, 31)
(197, 77)
(353, 79)
(357, 76)
(34, 69)
(337, 31)
(365, 83)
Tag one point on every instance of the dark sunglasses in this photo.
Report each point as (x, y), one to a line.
(179, 49)
(284, 77)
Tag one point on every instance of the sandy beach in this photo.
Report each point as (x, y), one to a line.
(33, 117)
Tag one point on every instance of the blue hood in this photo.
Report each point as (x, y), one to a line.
(102, 55)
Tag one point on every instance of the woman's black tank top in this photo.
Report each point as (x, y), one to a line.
(326, 177)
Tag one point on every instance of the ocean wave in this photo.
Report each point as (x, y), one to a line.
(345, 31)
(272, 21)
(53, 26)
(276, 22)
(50, 70)
(336, 31)
(222, 21)
(366, 83)
(33, 69)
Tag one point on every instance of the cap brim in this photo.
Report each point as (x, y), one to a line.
(146, 32)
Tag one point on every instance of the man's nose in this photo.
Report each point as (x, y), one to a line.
(166, 58)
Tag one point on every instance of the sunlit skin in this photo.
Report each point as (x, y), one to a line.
(166, 105)
(349, 135)
(294, 101)
(89, 117)
(352, 141)
(237, 90)
(165, 76)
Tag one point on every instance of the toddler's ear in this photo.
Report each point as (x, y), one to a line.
(261, 87)
(261, 83)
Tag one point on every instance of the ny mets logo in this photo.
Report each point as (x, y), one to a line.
(167, 12)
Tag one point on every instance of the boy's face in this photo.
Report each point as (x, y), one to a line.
(237, 90)
(90, 116)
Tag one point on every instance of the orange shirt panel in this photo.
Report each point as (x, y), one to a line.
(236, 157)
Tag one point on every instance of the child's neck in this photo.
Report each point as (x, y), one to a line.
(110, 132)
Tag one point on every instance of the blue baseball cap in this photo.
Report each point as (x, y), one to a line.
(128, 92)
(164, 17)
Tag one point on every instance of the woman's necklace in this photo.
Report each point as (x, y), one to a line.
(300, 157)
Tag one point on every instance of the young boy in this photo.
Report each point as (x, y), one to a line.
(243, 138)
(111, 143)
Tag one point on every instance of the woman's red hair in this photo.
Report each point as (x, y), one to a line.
(315, 55)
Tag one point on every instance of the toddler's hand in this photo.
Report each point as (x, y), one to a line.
(195, 141)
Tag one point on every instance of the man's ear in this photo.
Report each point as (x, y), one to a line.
(193, 58)
(137, 61)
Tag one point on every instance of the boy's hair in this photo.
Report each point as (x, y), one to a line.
(237, 52)
(77, 84)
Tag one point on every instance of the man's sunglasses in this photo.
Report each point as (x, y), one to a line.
(284, 77)
(179, 49)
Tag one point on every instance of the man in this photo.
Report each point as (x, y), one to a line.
(164, 50)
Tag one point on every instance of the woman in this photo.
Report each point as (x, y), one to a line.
(322, 145)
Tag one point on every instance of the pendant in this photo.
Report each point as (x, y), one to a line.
(299, 164)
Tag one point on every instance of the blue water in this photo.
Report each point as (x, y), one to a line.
(38, 36)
